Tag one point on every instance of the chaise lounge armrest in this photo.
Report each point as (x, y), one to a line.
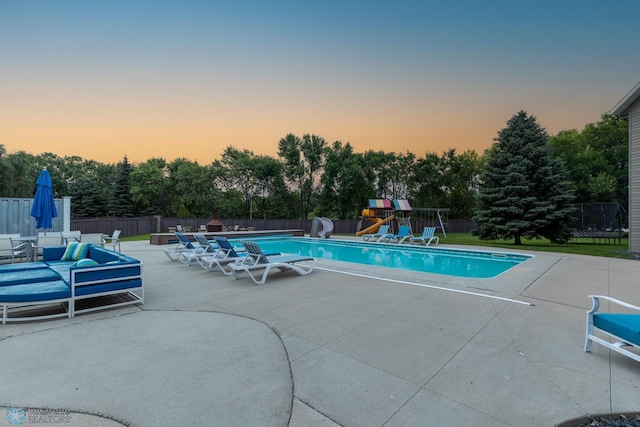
(595, 299)
(624, 328)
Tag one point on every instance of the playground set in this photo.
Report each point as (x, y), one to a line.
(395, 213)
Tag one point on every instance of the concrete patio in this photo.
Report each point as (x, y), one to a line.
(348, 345)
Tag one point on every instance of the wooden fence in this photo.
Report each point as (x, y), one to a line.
(134, 226)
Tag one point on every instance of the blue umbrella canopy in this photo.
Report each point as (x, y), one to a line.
(44, 208)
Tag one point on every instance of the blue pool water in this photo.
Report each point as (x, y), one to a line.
(461, 263)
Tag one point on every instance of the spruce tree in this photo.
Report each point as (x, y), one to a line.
(86, 198)
(121, 201)
(524, 192)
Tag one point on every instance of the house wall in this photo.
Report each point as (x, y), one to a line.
(634, 177)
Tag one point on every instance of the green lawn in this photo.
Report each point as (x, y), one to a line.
(136, 238)
(579, 246)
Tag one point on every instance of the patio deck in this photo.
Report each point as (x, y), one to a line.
(338, 347)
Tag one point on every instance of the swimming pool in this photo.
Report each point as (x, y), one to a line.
(452, 262)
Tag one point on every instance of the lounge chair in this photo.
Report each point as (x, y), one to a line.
(384, 229)
(428, 236)
(256, 260)
(184, 245)
(204, 248)
(225, 255)
(220, 259)
(623, 327)
(403, 234)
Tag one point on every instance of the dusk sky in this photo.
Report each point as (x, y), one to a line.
(104, 79)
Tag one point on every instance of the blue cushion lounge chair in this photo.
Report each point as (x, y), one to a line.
(184, 245)
(428, 236)
(203, 248)
(257, 260)
(225, 255)
(384, 229)
(623, 327)
(221, 258)
(403, 233)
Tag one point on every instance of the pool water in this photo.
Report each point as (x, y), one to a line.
(452, 262)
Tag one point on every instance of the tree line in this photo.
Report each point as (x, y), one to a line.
(310, 177)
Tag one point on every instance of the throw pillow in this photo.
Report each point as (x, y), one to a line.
(85, 262)
(68, 253)
(75, 251)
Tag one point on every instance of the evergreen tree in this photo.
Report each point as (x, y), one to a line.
(524, 192)
(86, 198)
(121, 201)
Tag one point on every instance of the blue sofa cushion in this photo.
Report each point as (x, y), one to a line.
(11, 278)
(22, 266)
(625, 326)
(103, 256)
(39, 291)
(62, 268)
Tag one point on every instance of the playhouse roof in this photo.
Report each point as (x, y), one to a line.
(401, 205)
(379, 204)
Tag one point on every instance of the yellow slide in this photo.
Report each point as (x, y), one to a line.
(373, 228)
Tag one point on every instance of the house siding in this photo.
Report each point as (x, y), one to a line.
(634, 177)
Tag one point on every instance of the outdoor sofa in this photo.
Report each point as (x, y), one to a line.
(29, 290)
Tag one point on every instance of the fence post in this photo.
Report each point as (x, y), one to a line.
(66, 216)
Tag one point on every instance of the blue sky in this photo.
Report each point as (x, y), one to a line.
(104, 79)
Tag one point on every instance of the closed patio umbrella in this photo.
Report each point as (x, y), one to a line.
(44, 208)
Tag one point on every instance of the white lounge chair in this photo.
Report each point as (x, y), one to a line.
(225, 255)
(428, 236)
(256, 260)
(220, 259)
(384, 229)
(204, 248)
(624, 328)
(184, 245)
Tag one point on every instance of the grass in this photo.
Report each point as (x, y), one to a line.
(578, 246)
(136, 238)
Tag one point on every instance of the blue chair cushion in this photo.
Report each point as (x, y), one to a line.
(39, 291)
(22, 266)
(625, 326)
(12, 278)
(102, 255)
(62, 268)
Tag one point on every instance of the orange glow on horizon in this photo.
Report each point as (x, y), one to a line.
(108, 141)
